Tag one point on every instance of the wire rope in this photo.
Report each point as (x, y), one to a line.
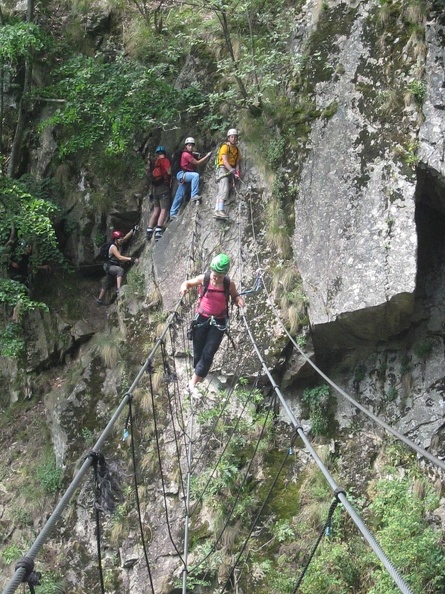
(44, 533)
(97, 518)
(158, 450)
(172, 417)
(341, 494)
(136, 491)
(421, 451)
(240, 489)
(260, 511)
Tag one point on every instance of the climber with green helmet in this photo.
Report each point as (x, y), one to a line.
(210, 323)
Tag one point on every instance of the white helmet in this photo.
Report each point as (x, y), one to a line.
(232, 132)
(189, 140)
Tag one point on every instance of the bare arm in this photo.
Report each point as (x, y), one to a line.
(116, 253)
(201, 160)
(236, 297)
(191, 282)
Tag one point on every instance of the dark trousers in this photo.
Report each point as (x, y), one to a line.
(206, 341)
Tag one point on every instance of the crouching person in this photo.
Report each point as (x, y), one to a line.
(215, 289)
(112, 266)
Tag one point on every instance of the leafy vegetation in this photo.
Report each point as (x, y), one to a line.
(107, 104)
(49, 475)
(25, 224)
(318, 399)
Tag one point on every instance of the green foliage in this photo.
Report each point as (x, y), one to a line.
(275, 151)
(392, 393)
(12, 343)
(360, 372)
(333, 570)
(318, 399)
(418, 90)
(283, 530)
(413, 546)
(88, 436)
(108, 104)
(30, 216)
(49, 475)
(12, 552)
(20, 40)
(136, 282)
(405, 366)
(52, 583)
(424, 348)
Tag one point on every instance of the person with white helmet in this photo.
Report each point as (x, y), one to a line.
(187, 175)
(228, 169)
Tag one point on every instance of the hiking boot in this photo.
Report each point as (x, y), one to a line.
(196, 198)
(117, 293)
(173, 217)
(100, 301)
(149, 234)
(158, 234)
(220, 214)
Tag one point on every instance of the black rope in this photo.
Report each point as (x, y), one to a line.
(167, 373)
(324, 530)
(215, 468)
(136, 492)
(31, 577)
(98, 460)
(223, 409)
(240, 489)
(257, 517)
(158, 450)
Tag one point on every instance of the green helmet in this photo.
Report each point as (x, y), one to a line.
(220, 264)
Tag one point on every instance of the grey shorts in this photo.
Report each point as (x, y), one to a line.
(112, 272)
(161, 197)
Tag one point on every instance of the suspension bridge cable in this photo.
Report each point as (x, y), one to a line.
(187, 506)
(326, 526)
(341, 494)
(411, 444)
(240, 489)
(167, 373)
(41, 538)
(96, 513)
(224, 449)
(158, 450)
(260, 511)
(136, 491)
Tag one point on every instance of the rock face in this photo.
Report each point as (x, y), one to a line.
(355, 235)
(432, 132)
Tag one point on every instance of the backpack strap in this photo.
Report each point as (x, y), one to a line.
(205, 287)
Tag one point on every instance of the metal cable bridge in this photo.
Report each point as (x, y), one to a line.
(183, 418)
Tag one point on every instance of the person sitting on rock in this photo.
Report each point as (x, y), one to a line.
(115, 272)
(187, 175)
